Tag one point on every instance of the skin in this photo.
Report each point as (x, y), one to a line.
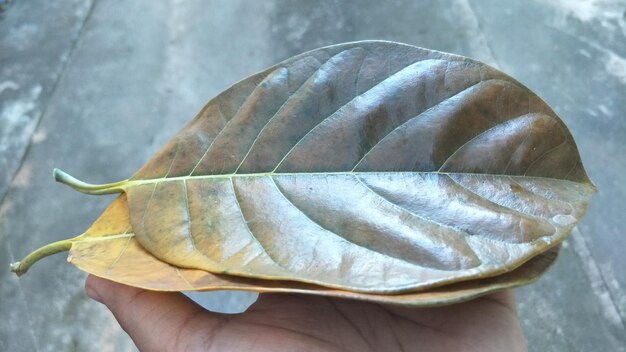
(160, 321)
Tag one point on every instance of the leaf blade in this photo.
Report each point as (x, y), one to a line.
(257, 197)
(431, 163)
(357, 112)
(133, 265)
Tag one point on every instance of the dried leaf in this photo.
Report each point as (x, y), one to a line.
(369, 167)
(108, 250)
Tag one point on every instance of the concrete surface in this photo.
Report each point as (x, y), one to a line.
(96, 87)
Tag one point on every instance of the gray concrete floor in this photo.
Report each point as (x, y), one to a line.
(96, 87)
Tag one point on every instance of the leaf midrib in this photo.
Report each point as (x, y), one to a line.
(96, 237)
(137, 182)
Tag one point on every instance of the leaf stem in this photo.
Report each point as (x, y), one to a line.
(65, 178)
(21, 267)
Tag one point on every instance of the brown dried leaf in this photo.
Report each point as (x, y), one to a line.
(370, 167)
(108, 250)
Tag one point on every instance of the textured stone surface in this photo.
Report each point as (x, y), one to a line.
(573, 54)
(117, 79)
(35, 47)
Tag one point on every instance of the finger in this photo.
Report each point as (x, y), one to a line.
(154, 320)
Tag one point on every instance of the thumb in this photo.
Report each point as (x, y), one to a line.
(156, 321)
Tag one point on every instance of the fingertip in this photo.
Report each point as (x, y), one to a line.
(90, 288)
(149, 317)
(108, 292)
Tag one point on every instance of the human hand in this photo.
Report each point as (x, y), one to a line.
(160, 321)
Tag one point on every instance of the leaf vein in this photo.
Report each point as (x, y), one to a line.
(190, 231)
(182, 277)
(544, 155)
(117, 259)
(232, 176)
(145, 211)
(169, 169)
(217, 103)
(429, 109)
(570, 170)
(280, 109)
(541, 195)
(468, 142)
(221, 130)
(347, 240)
(498, 205)
(508, 164)
(338, 110)
(104, 237)
(401, 208)
(245, 222)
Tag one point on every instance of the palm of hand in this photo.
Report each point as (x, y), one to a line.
(288, 322)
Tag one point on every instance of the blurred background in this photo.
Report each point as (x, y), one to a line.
(96, 87)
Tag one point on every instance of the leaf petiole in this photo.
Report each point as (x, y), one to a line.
(21, 267)
(65, 178)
